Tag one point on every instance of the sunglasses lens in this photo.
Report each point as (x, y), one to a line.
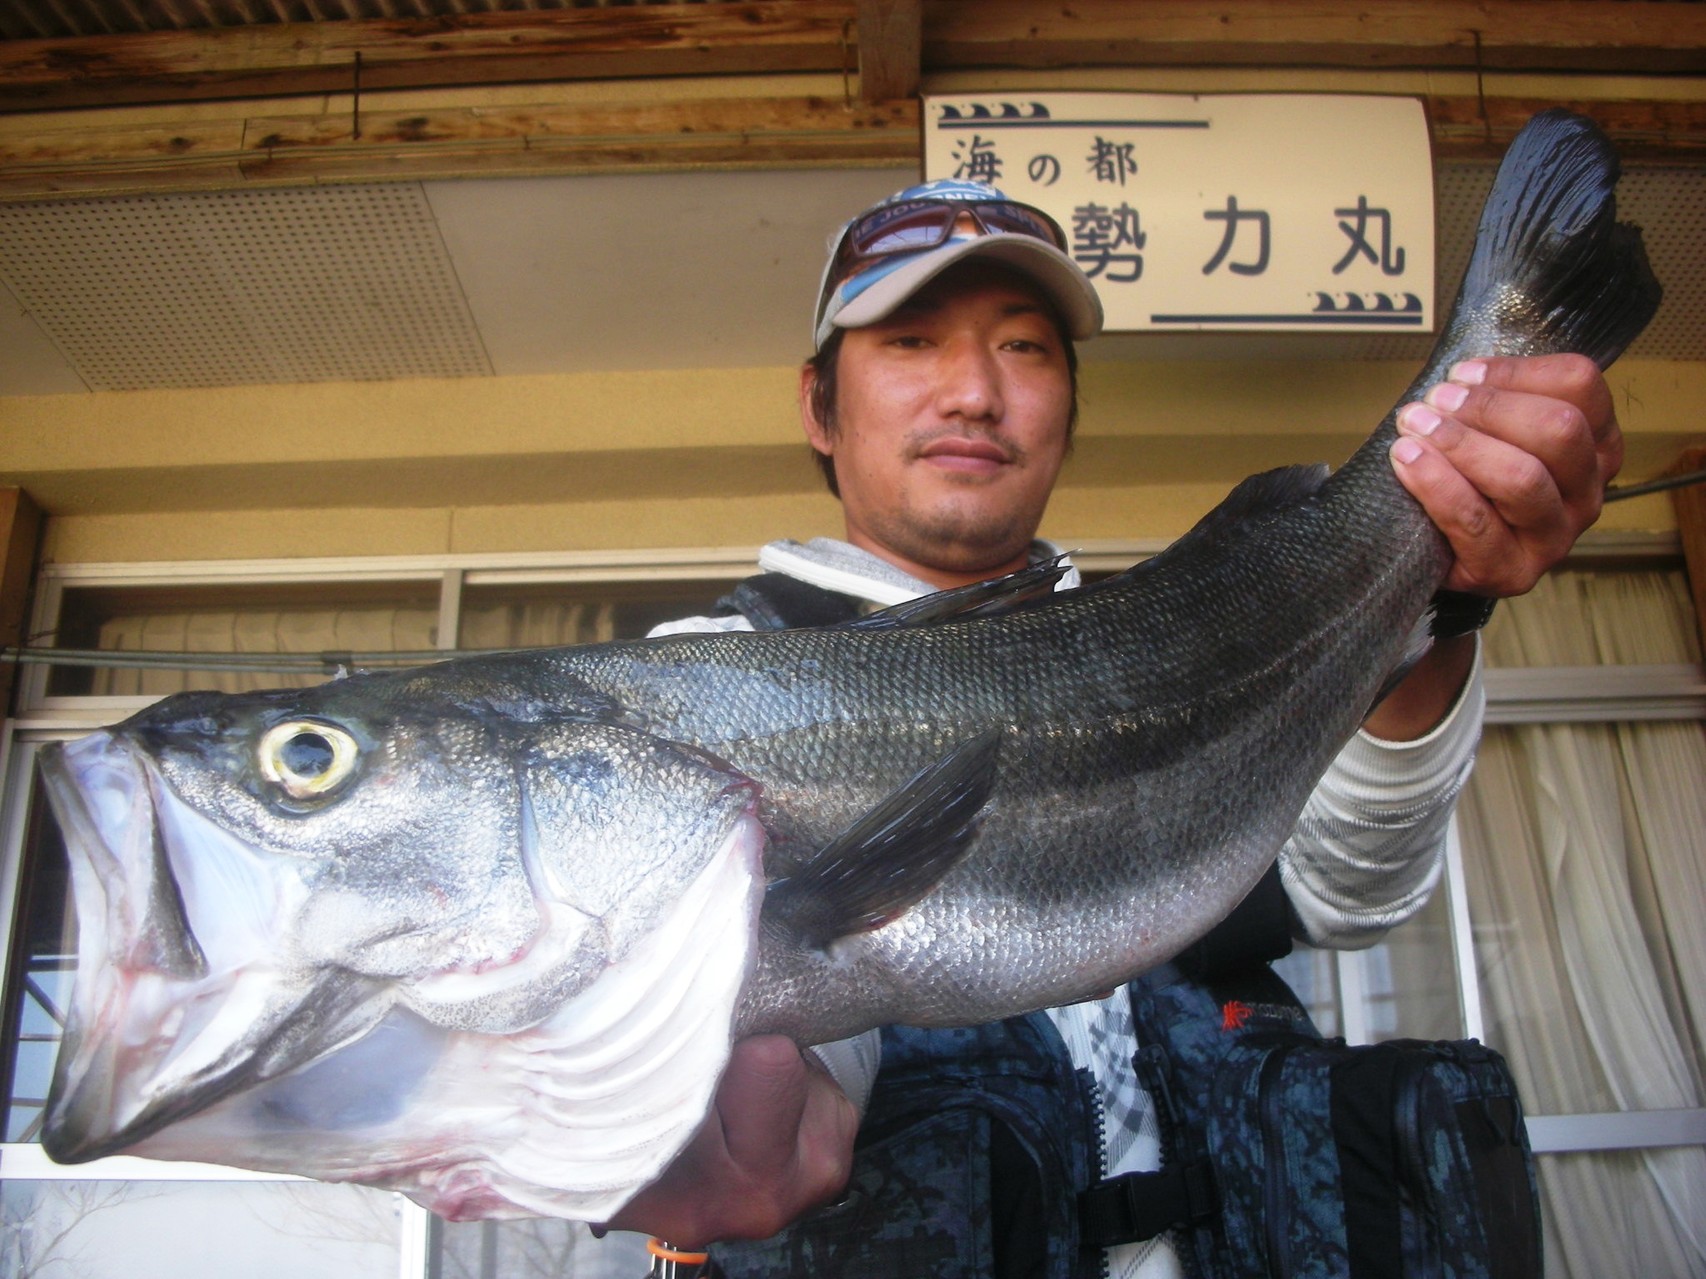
(1019, 219)
(916, 225)
(901, 228)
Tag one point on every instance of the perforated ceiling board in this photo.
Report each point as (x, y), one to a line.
(310, 285)
(356, 282)
(1668, 204)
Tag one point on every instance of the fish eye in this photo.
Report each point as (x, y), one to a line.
(305, 758)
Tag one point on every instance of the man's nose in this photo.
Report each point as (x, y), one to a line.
(971, 382)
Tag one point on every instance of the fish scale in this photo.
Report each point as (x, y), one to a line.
(484, 931)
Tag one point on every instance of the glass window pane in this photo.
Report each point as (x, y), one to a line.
(535, 1249)
(1585, 856)
(1596, 618)
(197, 1230)
(540, 614)
(1622, 1212)
(38, 986)
(1411, 980)
(1314, 978)
(311, 618)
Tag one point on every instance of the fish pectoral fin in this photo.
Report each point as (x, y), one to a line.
(995, 598)
(895, 855)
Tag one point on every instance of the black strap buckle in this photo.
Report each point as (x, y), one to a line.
(1140, 1205)
(1458, 613)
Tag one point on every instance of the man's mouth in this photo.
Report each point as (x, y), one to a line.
(969, 454)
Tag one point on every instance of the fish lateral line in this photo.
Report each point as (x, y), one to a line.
(893, 856)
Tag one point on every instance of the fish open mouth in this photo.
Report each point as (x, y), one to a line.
(164, 1020)
(190, 1038)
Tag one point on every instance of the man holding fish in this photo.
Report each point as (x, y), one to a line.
(940, 401)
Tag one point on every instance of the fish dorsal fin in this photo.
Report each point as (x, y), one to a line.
(1265, 494)
(893, 856)
(995, 598)
(1549, 240)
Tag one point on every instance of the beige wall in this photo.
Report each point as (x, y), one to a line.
(680, 458)
(702, 457)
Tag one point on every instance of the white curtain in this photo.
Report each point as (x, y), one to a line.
(1585, 852)
(537, 624)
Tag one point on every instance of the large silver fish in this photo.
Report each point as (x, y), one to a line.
(483, 931)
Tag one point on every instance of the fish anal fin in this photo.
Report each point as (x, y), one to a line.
(895, 855)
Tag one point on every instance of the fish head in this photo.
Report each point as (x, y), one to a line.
(260, 879)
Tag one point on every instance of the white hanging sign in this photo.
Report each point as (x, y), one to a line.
(1290, 212)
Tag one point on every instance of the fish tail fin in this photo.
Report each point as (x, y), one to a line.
(1549, 241)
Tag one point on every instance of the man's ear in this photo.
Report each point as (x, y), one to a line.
(817, 434)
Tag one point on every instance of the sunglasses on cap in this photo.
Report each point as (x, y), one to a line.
(912, 226)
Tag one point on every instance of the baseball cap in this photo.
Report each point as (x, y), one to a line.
(883, 256)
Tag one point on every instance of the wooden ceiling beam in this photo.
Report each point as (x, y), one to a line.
(454, 142)
(1645, 132)
(1618, 36)
(764, 36)
(890, 35)
(449, 142)
(293, 59)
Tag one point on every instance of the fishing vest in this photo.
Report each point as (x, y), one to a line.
(969, 1161)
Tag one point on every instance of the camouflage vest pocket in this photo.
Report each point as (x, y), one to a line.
(918, 1205)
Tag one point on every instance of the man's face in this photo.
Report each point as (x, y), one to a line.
(951, 426)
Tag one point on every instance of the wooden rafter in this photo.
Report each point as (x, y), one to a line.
(455, 141)
(289, 59)
(1658, 36)
(105, 158)
(1461, 34)
(890, 35)
(1645, 131)
(764, 36)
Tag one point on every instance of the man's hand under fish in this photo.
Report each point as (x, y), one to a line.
(1510, 458)
(777, 1143)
